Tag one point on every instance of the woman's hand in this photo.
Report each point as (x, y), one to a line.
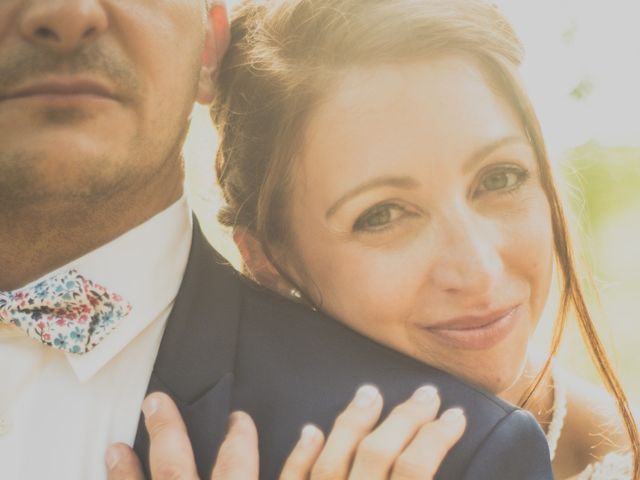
(409, 444)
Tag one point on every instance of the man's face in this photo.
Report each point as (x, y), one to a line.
(95, 95)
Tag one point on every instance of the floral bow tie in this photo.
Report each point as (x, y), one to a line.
(65, 311)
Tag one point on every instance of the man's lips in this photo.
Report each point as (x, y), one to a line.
(477, 332)
(61, 87)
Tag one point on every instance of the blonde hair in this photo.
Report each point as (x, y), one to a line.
(284, 57)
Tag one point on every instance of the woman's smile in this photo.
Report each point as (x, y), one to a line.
(477, 332)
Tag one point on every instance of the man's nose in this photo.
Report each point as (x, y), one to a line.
(63, 25)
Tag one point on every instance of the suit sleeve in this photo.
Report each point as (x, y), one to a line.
(516, 449)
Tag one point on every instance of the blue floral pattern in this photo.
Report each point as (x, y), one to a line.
(65, 311)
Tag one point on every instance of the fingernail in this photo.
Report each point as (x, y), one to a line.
(425, 394)
(149, 406)
(452, 416)
(365, 396)
(112, 457)
(308, 434)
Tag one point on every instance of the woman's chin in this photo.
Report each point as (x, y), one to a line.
(494, 382)
(495, 376)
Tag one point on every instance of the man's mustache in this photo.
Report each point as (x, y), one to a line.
(29, 64)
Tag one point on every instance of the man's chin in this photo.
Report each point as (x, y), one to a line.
(55, 180)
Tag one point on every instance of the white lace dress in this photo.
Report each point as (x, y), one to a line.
(614, 466)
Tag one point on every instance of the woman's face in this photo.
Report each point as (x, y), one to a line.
(419, 220)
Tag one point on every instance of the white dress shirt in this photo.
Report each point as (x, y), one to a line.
(63, 410)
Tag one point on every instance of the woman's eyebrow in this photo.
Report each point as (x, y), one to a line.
(376, 182)
(484, 151)
(410, 182)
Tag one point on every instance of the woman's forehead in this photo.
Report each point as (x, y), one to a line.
(380, 117)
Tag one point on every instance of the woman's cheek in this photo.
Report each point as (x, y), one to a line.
(369, 288)
(531, 250)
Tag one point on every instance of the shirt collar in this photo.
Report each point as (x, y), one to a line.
(145, 266)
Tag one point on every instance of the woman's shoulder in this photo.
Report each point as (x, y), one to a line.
(594, 430)
(614, 466)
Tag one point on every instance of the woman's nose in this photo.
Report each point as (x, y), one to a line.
(62, 25)
(468, 260)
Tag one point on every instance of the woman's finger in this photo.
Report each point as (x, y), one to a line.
(238, 457)
(378, 451)
(122, 463)
(170, 453)
(423, 456)
(351, 426)
(304, 454)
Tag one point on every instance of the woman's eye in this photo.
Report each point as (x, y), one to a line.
(502, 180)
(379, 217)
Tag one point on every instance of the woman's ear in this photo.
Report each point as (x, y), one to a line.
(257, 262)
(215, 45)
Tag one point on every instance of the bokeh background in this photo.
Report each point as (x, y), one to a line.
(582, 71)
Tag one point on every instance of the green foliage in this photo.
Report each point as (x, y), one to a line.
(583, 89)
(608, 179)
(569, 35)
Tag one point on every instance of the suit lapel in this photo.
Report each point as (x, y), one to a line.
(196, 356)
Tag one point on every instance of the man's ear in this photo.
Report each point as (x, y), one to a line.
(215, 45)
(257, 262)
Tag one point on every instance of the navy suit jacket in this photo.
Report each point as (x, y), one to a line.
(230, 345)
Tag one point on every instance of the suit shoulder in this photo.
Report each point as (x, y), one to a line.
(310, 340)
(515, 448)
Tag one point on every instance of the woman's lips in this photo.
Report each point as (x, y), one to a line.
(477, 333)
